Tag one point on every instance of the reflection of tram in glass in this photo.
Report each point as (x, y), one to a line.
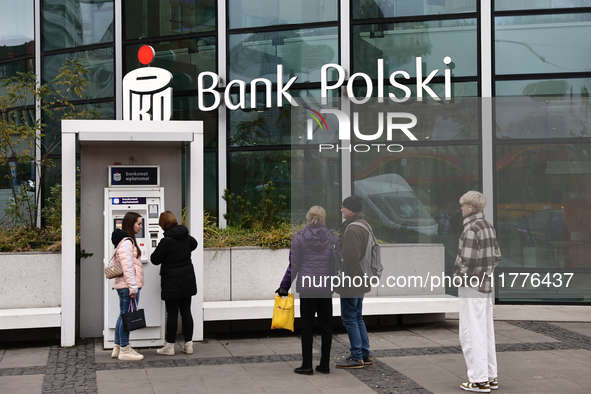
(391, 198)
(408, 194)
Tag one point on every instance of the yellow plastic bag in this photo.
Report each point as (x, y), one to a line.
(283, 313)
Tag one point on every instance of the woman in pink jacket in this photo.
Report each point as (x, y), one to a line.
(128, 286)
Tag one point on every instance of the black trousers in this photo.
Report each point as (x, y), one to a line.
(172, 313)
(308, 309)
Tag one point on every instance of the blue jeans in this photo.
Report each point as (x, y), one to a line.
(122, 337)
(352, 317)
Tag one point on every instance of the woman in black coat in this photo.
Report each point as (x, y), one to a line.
(177, 279)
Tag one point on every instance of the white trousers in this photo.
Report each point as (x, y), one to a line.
(477, 334)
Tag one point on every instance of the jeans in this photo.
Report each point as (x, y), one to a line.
(172, 312)
(121, 336)
(309, 307)
(352, 317)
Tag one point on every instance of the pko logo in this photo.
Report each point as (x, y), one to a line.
(145, 95)
(395, 122)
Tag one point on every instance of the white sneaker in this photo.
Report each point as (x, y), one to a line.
(188, 348)
(476, 387)
(128, 354)
(166, 350)
(135, 352)
(116, 350)
(494, 384)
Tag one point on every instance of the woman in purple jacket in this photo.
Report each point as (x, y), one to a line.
(309, 260)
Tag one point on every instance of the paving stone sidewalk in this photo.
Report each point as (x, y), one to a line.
(534, 357)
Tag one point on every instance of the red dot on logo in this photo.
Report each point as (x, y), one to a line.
(146, 54)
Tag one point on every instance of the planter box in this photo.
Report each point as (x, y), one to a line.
(252, 273)
(30, 280)
(30, 290)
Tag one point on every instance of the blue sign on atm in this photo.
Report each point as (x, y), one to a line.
(128, 200)
(134, 175)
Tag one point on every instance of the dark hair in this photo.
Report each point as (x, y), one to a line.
(128, 221)
(167, 220)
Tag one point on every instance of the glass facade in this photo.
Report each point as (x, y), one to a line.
(537, 44)
(542, 79)
(161, 18)
(301, 52)
(98, 61)
(511, 5)
(540, 73)
(399, 44)
(370, 9)
(68, 23)
(247, 14)
(184, 58)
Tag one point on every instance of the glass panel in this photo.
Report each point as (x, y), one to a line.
(268, 126)
(16, 39)
(52, 140)
(577, 87)
(399, 44)
(100, 63)
(315, 180)
(309, 174)
(9, 70)
(185, 59)
(302, 53)
(371, 9)
(186, 108)
(154, 18)
(249, 171)
(210, 183)
(442, 120)
(17, 28)
(532, 44)
(407, 193)
(508, 5)
(72, 23)
(254, 13)
(542, 117)
(51, 177)
(413, 196)
(543, 205)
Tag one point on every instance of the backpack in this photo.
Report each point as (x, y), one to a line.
(371, 263)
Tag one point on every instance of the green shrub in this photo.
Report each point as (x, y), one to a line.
(274, 238)
(263, 216)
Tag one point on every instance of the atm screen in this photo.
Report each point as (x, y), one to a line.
(118, 224)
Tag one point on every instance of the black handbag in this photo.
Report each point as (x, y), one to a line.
(133, 319)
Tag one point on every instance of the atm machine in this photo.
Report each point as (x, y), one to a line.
(135, 189)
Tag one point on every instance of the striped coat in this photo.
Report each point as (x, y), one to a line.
(478, 253)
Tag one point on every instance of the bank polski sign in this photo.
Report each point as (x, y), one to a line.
(394, 121)
(147, 97)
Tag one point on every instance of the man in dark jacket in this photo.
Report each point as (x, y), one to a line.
(353, 241)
